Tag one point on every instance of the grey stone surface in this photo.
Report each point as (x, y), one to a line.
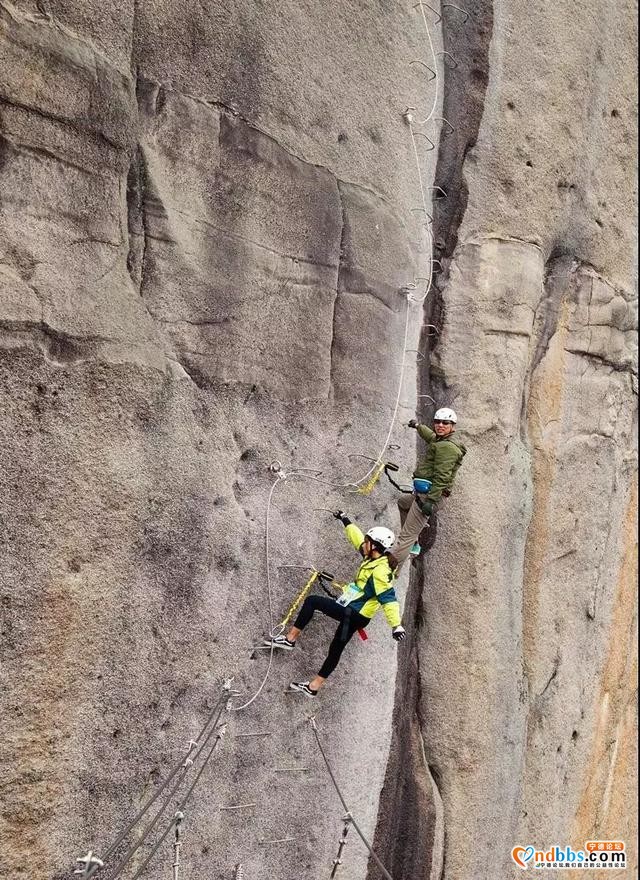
(207, 213)
(192, 266)
(528, 587)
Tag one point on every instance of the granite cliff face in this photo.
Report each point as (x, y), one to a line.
(210, 215)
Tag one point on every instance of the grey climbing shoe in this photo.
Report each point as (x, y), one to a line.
(416, 550)
(302, 687)
(281, 642)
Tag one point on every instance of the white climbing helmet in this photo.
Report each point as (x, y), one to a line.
(384, 537)
(445, 415)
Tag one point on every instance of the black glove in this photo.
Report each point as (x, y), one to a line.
(427, 507)
(412, 424)
(399, 633)
(342, 516)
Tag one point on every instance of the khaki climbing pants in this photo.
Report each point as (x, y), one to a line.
(412, 522)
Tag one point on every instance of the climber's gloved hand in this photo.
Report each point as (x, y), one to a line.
(399, 633)
(412, 423)
(342, 516)
(427, 507)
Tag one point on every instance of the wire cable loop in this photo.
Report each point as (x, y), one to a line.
(435, 11)
(426, 66)
(459, 9)
(452, 63)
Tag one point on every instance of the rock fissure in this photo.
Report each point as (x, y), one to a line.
(63, 120)
(135, 222)
(57, 346)
(504, 331)
(233, 113)
(548, 310)
(19, 147)
(142, 182)
(334, 312)
(202, 322)
(219, 231)
(597, 359)
(411, 806)
(551, 679)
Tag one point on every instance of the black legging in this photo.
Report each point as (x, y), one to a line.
(350, 621)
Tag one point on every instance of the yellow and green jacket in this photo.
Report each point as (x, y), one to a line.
(375, 581)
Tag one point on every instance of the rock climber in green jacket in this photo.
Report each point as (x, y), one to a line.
(440, 465)
(371, 590)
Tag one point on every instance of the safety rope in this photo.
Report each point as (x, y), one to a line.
(396, 405)
(362, 483)
(435, 63)
(409, 119)
(372, 852)
(280, 476)
(379, 463)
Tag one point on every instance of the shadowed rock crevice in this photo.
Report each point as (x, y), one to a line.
(411, 801)
(557, 285)
(463, 107)
(334, 328)
(57, 347)
(409, 835)
(136, 220)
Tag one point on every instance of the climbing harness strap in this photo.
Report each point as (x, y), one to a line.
(325, 576)
(389, 466)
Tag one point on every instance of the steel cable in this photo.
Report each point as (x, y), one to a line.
(180, 809)
(121, 865)
(281, 476)
(373, 853)
(92, 869)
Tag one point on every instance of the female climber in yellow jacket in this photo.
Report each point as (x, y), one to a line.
(371, 589)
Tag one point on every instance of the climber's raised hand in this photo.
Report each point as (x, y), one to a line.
(342, 516)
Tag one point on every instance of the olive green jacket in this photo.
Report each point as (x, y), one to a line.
(440, 464)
